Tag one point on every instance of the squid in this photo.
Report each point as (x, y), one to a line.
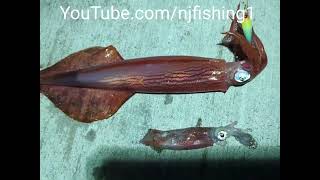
(197, 137)
(92, 84)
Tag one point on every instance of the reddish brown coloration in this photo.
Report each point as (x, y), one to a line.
(252, 53)
(179, 139)
(196, 137)
(84, 104)
(164, 74)
(92, 84)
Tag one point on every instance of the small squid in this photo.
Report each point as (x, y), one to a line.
(196, 137)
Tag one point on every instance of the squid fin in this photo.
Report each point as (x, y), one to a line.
(85, 104)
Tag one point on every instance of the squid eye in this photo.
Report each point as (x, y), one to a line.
(241, 76)
(222, 135)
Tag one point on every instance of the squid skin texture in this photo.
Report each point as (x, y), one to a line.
(162, 74)
(179, 139)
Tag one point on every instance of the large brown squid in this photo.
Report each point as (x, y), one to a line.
(92, 84)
